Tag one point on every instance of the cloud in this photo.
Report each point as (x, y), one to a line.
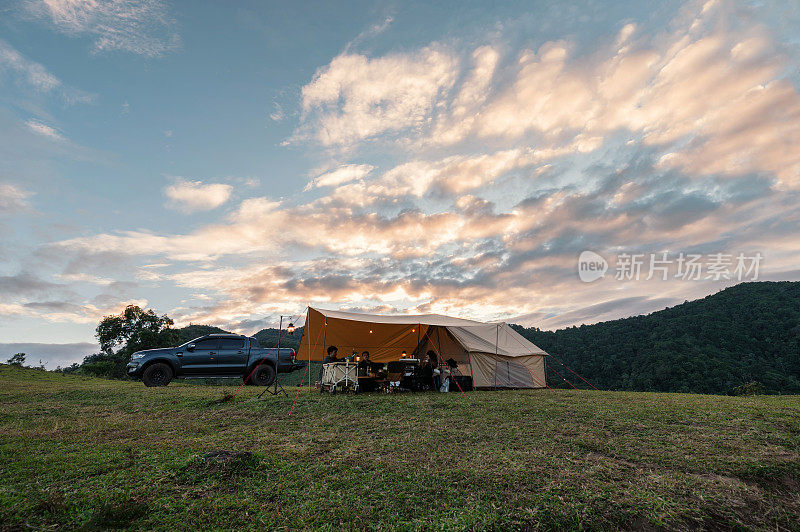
(709, 93)
(25, 284)
(476, 178)
(277, 113)
(40, 128)
(356, 98)
(71, 311)
(33, 75)
(192, 196)
(13, 199)
(142, 27)
(52, 355)
(342, 174)
(372, 31)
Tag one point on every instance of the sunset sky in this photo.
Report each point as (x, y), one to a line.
(228, 162)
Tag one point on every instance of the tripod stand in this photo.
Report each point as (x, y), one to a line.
(276, 385)
(275, 389)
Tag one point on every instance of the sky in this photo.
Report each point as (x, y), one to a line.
(544, 163)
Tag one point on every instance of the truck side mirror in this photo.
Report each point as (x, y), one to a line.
(190, 347)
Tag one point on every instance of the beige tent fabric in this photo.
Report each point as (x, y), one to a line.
(399, 319)
(494, 354)
(489, 371)
(483, 338)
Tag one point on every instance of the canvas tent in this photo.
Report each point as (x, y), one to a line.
(493, 354)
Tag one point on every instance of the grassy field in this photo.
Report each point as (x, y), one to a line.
(81, 452)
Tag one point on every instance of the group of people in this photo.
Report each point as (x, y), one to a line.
(434, 375)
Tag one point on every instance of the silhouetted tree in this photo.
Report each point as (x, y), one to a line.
(17, 360)
(133, 330)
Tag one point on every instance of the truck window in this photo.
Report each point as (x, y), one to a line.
(232, 343)
(207, 344)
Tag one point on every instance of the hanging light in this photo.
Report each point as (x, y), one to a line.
(404, 355)
(290, 328)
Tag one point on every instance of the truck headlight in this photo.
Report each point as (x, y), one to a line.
(137, 356)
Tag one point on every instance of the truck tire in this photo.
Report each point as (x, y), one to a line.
(158, 374)
(264, 375)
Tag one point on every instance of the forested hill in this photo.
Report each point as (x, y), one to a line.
(749, 332)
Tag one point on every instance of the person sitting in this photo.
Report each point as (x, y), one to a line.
(436, 373)
(332, 356)
(426, 375)
(364, 363)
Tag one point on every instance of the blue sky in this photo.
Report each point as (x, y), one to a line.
(228, 162)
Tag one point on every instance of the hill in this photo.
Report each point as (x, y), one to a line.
(749, 332)
(113, 454)
(190, 332)
(266, 337)
(269, 338)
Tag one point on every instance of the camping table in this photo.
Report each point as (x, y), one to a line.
(337, 376)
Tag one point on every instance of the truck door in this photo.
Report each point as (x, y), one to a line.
(232, 359)
(202, 359)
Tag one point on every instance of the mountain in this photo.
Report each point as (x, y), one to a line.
(749, 332)
(269, 338)
(190, 332)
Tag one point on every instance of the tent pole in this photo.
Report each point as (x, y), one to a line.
(308, 326)
(496, 341)
(324, 337)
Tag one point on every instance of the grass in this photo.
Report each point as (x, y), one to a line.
(78, 452)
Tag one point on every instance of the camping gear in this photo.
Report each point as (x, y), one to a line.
(339, 377)
(492, 355)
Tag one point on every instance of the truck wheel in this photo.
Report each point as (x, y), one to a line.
(158, 374)
(264, 376)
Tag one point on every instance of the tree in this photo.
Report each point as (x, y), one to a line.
(17, 360)
(133, 330)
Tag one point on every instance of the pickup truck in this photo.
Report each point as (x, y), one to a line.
(213, 356)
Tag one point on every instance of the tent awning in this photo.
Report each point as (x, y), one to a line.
(386, 336)
(398, 319)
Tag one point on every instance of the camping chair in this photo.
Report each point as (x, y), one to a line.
(396, 370)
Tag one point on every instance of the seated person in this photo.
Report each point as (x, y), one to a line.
(436, 373)
(426, 374)
(332, 356)
(364, 363)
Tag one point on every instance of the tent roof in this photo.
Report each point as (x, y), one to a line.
(398, 319)
(474, 336)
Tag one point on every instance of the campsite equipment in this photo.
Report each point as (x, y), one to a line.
(339, 377)
(491, 355)
(276, 384)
